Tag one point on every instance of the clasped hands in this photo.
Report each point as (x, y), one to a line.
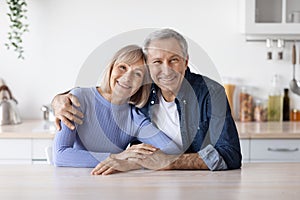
(135, 157)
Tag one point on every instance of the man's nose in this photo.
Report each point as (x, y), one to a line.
(166, 68)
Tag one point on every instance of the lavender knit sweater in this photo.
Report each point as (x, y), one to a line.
(106, 129)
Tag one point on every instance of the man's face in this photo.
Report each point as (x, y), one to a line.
(167, 66)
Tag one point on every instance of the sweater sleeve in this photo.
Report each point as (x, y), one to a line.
(65, 155)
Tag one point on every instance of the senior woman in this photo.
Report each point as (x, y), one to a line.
(112, 121)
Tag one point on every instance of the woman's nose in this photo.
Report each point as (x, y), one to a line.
(127, 76)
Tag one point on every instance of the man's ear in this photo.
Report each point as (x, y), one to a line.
(186, 61)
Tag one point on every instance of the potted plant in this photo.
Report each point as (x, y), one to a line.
(16, 13)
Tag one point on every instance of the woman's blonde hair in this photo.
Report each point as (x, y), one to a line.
(129, 54)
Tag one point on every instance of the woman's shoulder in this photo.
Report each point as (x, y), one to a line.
(78, 91)
(84, 95)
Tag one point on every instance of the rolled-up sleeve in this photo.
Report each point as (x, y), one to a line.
(212, 158)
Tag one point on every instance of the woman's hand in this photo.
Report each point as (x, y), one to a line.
(62, 105)
(112, 165)
(121, 162)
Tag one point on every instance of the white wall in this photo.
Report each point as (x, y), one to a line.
(63, 33)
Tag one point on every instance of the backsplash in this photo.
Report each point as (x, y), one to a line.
(60, 41)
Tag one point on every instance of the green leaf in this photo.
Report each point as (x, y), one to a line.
(16, 15)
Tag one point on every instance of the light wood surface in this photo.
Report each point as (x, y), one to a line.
(262, 130)
(254, 181)
(38, 129)
(269, 130)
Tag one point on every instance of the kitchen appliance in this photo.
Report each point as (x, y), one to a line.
(294, 86)
(295, 17)
(9, 113)
(48, 114)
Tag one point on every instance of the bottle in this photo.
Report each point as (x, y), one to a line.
(275, 101)
(230, 86)
(286, 106)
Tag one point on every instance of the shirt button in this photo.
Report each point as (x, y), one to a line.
(153, 91)
(184, 101)
(152, 102)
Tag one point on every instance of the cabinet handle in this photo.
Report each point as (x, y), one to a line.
(283, 149)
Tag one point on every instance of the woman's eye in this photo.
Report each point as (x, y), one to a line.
(122, 67)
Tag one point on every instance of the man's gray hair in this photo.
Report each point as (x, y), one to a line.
(166, 34)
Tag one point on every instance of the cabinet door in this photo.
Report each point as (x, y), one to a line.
(267, 18)
(14, 151)
(38, 150)
(245, 149)
(276, 150)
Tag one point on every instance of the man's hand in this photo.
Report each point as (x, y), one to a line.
(62, 105)
(161, 161)
(156, 161)
(112, 165)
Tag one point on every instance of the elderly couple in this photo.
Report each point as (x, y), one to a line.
(180, 121)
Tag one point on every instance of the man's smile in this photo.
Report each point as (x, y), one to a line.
(167, 79)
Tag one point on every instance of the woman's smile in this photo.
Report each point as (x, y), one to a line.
(123, 85)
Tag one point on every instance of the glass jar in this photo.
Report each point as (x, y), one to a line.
(260, 113)
(246, 105)
(295, 115)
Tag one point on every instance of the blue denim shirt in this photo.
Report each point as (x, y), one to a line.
(206, 123)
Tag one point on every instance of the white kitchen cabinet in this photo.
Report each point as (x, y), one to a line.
(38, 150)
(15, 151)
(275, 150)
(245, 149)
(23, 151)
(25, 142)
(261, 19)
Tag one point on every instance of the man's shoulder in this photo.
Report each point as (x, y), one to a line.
(198, 81)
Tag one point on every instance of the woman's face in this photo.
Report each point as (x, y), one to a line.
(125, 79)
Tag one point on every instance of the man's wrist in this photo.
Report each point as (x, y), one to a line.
(172, 162)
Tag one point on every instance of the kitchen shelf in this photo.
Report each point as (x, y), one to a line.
(262, 19)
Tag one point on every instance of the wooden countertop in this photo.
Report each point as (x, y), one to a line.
(269, 130)
(28, 129)
(254, 181)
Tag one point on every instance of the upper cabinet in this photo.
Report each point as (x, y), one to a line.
(261, 19)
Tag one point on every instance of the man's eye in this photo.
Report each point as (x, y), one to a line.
(174, 60)
(138, 74)
(156, 62)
